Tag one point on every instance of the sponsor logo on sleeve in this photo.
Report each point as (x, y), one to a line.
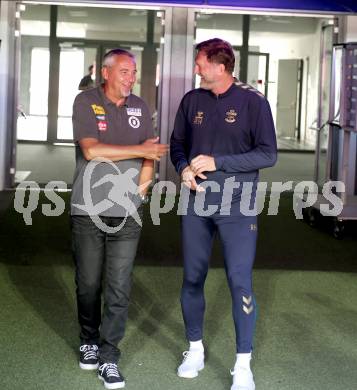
(102, 125)
(99, 113)
(98, 110)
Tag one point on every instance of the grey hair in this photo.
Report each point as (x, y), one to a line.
(108, 58)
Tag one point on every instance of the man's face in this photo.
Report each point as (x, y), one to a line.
(120, 77)
(209, 72)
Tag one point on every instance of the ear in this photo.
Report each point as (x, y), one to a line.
(105, 73)
(222, 68)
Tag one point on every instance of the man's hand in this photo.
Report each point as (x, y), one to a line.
(153, 150)
(188, 178)
(202, 163)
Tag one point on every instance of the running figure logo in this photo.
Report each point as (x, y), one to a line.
(123, 186)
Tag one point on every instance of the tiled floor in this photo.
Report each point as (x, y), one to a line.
(293, 144)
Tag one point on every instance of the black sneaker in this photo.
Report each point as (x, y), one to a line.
(111, 376)
(88, 357)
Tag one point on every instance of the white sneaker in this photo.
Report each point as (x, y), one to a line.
(242, 378)
(192, 363)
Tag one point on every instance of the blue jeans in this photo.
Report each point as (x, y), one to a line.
(107, 257)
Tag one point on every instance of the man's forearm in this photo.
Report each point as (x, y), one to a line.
(113, 152)
(149, 149)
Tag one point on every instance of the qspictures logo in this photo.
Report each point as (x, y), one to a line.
(123, 186)
(121, 191)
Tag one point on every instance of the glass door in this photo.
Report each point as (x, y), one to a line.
(33, 107)
(76, 73)
(258, 71)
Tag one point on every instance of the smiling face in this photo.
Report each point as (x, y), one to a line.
(211, 73)
(119, 76)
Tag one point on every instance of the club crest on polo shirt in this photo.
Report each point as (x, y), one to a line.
(134, 122)
(132, 111)
(231, 116)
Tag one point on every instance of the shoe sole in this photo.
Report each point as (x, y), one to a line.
(112, 385)
(235, 387)
(88, 367)
(191, 374)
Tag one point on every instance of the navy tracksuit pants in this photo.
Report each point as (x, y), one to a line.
(238, 236)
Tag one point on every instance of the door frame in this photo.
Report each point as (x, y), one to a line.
(319, 124)
(267, 57)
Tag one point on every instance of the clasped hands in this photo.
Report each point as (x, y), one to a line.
(201, 163)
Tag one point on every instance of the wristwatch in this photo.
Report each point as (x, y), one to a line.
(144, 198)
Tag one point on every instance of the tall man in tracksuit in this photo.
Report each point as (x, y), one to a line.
(223, 135)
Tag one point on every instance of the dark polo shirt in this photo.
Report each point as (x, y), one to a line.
(102, 188)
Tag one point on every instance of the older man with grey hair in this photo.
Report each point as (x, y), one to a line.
(113, 126)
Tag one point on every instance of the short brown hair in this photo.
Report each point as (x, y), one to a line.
(218, 51)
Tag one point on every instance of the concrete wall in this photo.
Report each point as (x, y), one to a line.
(351, 29)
